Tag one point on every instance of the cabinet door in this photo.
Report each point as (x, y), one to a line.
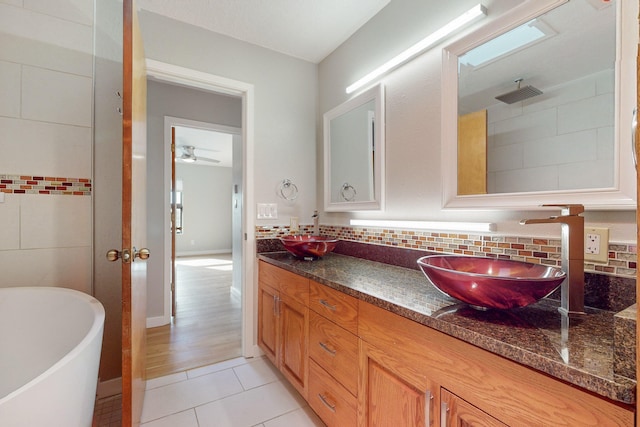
(294, 330)
(391, 394)
(457, 412)
(268, 321)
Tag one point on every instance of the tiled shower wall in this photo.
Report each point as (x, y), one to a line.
(622, 257)
(46, 82)
(574, 124)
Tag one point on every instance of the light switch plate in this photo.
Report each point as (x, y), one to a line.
(596, 244)
(267, 211)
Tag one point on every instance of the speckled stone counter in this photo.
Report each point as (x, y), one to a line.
(538, 336)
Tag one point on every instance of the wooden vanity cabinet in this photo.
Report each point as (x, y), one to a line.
(419, 358)
(283, 323)
(358, 364)
(333, 350)
(455, 411)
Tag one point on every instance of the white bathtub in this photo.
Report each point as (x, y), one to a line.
(50, 342)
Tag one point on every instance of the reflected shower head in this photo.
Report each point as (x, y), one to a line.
(519, 94)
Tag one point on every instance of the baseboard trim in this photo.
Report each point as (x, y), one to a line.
(154, 322)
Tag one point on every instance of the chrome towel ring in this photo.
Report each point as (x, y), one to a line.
(347, 192)
(288, 190)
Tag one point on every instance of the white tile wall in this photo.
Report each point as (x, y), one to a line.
(55, 221)
(13, 2)
(541, 143)
(46, 69)
(588, 113)
(80, 11)
(33, 38)
(63, 267)
(535, 179)
(53, 96)
(568, 148)
(10, 89)
(10, 223)
(52, 149)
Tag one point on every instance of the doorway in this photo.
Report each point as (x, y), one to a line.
(163, 72)
(203, 290)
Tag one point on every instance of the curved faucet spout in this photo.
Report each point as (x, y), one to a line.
(572, 298)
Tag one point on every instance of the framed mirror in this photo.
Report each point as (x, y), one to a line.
(538, 105)
(354, 153)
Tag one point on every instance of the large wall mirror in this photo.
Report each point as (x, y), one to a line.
(537, 107)
(354, 153)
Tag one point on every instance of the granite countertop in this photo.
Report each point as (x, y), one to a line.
(538, 336)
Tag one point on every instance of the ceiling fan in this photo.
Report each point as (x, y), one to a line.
(188, 155)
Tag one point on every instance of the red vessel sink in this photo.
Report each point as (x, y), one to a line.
(489, 282)
(308, 246)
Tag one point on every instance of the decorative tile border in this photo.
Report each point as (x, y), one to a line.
(26, 184)
(622, 257)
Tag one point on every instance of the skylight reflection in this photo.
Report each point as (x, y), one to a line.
(509, 42)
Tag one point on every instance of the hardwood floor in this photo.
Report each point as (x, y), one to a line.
(207, 325)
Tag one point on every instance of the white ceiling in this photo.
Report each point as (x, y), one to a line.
(305, 29)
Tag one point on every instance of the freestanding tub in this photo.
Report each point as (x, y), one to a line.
(50, 342)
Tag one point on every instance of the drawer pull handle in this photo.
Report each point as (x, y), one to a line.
(427, 409)
(444, 411)
(323, 399)
(328, 305)
(327, 349)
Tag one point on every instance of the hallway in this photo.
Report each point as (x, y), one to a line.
(207, 326)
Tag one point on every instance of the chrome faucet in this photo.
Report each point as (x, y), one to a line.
(316, 225)
(572, 288)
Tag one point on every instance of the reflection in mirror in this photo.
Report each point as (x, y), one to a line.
(537, 103)
(548, 101)
(354, 149)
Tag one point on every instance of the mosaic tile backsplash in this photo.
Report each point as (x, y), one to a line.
(26, 184)
(622, 257)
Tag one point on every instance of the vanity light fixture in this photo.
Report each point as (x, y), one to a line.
(427, 225)
(435, 37)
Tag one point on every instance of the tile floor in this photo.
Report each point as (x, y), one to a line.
(235, 393)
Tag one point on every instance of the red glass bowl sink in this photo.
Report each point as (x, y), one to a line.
(489, 282)
(308, 246)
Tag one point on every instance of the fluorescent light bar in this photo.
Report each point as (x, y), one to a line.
(435, 37)
(427, 225)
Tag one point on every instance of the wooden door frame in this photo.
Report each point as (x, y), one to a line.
(170, 73)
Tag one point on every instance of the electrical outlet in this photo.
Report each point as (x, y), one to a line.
(596, 244)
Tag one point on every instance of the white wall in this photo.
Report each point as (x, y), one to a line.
(46, 68)
(413, 118)
(206, 200)
(285, 104)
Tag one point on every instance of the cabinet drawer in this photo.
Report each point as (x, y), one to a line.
(290, 284)
(334, 349)
(332, 402)
(334, 305)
